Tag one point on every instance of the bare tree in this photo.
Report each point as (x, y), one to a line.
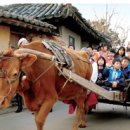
(103, 25)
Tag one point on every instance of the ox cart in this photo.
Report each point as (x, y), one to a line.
(105, 96)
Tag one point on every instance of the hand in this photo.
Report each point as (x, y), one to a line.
(114, 84)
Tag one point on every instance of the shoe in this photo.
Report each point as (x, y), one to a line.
(18, 111)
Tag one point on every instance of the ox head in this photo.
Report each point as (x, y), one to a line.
(11, 65)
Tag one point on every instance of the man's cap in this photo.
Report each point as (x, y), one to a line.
(22, 41)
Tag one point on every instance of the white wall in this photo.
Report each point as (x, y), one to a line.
(65, 33)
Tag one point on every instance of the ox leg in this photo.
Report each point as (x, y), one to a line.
(81, 110)
(41, 115)
(77, 118)
(83, 119)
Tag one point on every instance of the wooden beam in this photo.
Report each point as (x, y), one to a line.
(110, 95)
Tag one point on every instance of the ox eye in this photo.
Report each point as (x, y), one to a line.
(15, 75)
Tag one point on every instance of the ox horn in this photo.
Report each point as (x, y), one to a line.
(23, 52)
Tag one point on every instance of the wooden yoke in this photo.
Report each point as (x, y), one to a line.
(37, 53)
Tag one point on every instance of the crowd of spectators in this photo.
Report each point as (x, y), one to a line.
(113, 68)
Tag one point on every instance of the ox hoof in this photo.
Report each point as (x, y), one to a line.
(82, 126)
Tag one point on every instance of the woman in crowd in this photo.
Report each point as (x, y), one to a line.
(120, 53)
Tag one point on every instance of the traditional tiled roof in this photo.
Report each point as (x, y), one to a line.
(42, 12)
(23, 21)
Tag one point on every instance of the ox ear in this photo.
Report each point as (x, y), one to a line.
(28, 60)
(8, 52)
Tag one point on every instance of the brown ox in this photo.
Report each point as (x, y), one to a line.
(41, 92)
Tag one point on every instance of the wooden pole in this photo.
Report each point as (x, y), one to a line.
(110, 95)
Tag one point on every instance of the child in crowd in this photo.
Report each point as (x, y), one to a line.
(115, 80)
(103, 51)
(125, 69)
(111, 56)
(103, 48)
(101, 67)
